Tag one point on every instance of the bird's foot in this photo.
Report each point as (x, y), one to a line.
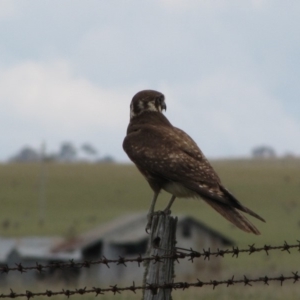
(150, 216)
(149, 222)
(167, 211)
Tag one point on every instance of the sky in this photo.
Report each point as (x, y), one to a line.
(229, 71)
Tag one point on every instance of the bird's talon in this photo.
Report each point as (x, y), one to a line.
(147, 230)
(149, 223)
(167, 212)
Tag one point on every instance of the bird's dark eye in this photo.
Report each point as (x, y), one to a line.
(160, 99)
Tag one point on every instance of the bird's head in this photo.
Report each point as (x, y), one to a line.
(147, 100)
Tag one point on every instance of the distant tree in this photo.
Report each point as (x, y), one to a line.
(263, 152)
(67, 152)
(26, 154)
(89, 149)
(289, 155)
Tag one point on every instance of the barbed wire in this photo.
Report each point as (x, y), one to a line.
(154, 287)
(180, 253)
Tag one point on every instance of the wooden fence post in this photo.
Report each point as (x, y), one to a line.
(162, 241)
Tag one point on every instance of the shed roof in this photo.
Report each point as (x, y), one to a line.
(126, 229)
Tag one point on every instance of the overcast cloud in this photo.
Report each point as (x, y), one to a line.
(229, 71)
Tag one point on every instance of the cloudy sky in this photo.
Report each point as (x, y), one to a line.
(230, 71)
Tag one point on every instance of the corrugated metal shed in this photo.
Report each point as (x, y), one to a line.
(38, 248)
(7, 245)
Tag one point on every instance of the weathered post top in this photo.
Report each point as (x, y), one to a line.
(162, 241)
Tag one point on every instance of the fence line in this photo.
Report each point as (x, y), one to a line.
(154, 287)
(181, 253)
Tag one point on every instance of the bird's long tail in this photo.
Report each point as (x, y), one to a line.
(234, 216)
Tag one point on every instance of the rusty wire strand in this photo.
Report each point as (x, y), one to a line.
(154, 287)
(180, 253)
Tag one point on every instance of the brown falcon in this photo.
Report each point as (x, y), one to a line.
(170, 160)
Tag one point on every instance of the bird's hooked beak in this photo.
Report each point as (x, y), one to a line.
(163, 106)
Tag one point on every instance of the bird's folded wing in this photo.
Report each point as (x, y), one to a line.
(170, 154)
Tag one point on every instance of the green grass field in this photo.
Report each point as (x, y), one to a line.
(81, 196)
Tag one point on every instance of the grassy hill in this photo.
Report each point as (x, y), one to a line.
(79, 196)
